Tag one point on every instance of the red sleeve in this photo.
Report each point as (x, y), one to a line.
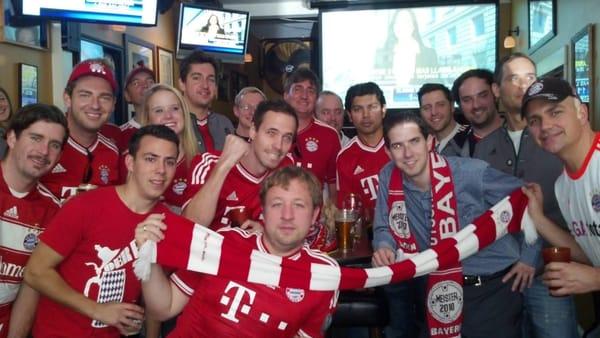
(186, 281)
(122, 168)
(68, 220)
(314, 326)
(200, 168)
(336, 147)
(342, 183)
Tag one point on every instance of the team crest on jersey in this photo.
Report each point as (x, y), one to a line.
(445, 301)
(596, 202)
(30, 241)
(104, 174)
(179, 186)
(505, 216)
(398, 220)
(294, 295)
(312, 144)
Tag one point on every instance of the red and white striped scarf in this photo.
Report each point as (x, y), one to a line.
(194, 247)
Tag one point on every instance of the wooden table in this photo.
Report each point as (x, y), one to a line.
(358, 256)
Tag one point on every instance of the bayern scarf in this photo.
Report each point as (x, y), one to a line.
(444, 286)
(194, 247)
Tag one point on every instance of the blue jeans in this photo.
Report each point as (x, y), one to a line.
(406, 308)
(545, 316)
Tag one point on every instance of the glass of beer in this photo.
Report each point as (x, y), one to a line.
(344, 227)
(556, 254)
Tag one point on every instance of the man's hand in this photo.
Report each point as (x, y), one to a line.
(126, 317)
(571, 278)
(234, 149)
(533, 191)
(150, 229)
(523, 274)
(383, 257)
(252, 226)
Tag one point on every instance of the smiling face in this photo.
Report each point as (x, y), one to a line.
(288, 213)
(438, 112)
(200, 86)
(4, 107)
(329, 110)
(273, 139)
(90, 104)
(245, 110)
(164, 108)
(409, 150)
(152, 168)
(302, 96)
(36, 150)
(477, 102)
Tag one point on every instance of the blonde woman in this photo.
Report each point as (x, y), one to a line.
(164, 105)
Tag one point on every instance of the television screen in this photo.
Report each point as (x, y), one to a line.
(218, 31)
(401, 49)
(128, 12)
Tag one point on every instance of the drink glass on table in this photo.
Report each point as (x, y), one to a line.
(345, 220)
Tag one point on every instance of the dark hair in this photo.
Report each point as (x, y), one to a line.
(431, 87)
(282, 178)
(299, 75)
(32, 113)
(484, 74)
(411, 116)
(196, 57)
(367, 88)
(10, 108)
(499, 71)
(157, 130)
(278, 106)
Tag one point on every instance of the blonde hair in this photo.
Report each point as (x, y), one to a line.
(187, 139)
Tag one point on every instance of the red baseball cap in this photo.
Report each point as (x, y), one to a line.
(139, 69)
(94, 68)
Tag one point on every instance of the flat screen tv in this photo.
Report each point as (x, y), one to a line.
(126, 12)
(400, 49)
(220, 32)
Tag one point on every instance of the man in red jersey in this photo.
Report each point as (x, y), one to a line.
(89, 157)
(220, 184)
(83, 265)
(137, 82)
(290, 197)
(317, 143)
(35, 138)
(358, 164)
(198, 79)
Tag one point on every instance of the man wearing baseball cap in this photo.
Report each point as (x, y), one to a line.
(89, 157)
(137, 82)
(558, 121)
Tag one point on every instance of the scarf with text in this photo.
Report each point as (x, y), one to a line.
(444, 286)
(194, 247)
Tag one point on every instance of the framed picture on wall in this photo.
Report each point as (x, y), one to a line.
(28, 84)
(137, 51)
(542, 22)
(582, 64)
(165, 66)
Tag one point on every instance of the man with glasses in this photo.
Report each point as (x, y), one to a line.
(137, 82)
(317, 144)
(89, 157)
(245, 104)
(513, 150)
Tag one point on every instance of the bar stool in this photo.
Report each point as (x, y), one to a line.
(362, 308)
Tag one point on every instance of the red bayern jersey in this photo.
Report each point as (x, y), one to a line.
(127, 130)
(358, 167)
(205, 132)
(318, 145)
(221, 307)
(22, 218)
(69, 172)
(112, 132)
(94, 232)
(239, 191)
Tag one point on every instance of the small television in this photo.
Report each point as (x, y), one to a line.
(130, 12)
(220, 32)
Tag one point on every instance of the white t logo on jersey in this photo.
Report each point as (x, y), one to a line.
(238, 297)
(370, 185)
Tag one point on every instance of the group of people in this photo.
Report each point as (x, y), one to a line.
(67, 253)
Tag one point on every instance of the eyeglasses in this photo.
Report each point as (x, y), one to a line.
(247, 107)
(89, 172)
(137, 83)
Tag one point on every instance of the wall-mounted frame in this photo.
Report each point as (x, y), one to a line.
(32, 33)
(28, 84)
(542, 22)
(137, 50)
(582, 64)
(164, 65)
